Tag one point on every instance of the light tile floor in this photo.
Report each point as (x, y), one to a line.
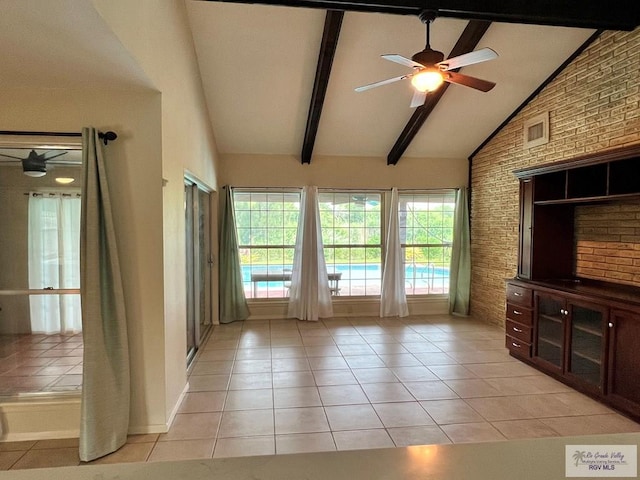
(283, 386)
(40, 363)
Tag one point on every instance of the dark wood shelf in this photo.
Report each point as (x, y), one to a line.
(599, 177)
(590, 330)
(550, 318)
(588, 356)
(596, 289)
(589, 181)
(592, 345)
(597, 199)
(555, 342)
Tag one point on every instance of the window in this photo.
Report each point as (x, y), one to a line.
(54, 261)
(267, 223)
(352, 236)
(426, 235)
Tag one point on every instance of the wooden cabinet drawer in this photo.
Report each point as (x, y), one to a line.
(518, 347)
(519, 295)
(519, 331)
(519, 314)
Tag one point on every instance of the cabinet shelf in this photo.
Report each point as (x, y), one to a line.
(598, 198)
(604, 176)
(593, 357)
(588, 329)
(553, 319)
(551, 341)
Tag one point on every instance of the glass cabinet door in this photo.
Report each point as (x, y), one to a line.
(587, 344)
(550, 329)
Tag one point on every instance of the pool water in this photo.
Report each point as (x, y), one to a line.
(352, 273)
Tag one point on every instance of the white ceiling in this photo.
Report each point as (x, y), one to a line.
(258, 65)
(62, 44)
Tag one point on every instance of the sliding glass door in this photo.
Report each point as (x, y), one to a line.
(199, 262)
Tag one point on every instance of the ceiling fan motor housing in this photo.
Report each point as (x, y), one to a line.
(428, 57)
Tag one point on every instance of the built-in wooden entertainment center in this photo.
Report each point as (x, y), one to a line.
(583, 332)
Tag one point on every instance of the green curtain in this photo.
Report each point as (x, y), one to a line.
(233, 304)
(460, 270)
(104, 420)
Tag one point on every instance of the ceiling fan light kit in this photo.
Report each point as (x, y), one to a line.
(35, 173)
(431, 69)
(427, 80)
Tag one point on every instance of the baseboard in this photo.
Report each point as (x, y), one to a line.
(148, 429)
(39, 418)
(176, 407)
(33, 436)
(164, 428)
(351, 307)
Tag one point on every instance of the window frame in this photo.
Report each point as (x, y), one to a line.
(383, 212)
(428, 192)
(251, 287)
(382, 227)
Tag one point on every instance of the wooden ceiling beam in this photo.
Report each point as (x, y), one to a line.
(468, 40)
(610, 15)
(332, 25)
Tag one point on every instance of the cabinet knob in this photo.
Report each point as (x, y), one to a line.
(610, 324)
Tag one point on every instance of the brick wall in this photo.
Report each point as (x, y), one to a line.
(608, 242)
(593, 105)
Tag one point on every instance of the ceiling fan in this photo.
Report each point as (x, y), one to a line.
(34, 165)
(430, 69)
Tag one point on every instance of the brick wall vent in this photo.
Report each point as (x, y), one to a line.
(536, 130)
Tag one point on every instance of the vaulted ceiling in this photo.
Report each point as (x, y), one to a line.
(259, 62)
(259, 66)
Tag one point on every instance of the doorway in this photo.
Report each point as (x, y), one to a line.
(199, 263)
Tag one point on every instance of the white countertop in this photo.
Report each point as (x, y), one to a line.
(522, 459)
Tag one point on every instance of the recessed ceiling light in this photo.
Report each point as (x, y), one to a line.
(65, 180)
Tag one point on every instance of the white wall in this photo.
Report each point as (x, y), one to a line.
(342, 172)
(162, 134)
(157, 34)
(134, 169)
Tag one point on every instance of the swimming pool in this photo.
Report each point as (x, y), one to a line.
(355, 279)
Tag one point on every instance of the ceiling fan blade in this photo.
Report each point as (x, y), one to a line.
(418, 99)
(54, 156)
(468, 59)
(382, 82)
(407, 62)
(467, 81)
(10, 156)
(67, 162)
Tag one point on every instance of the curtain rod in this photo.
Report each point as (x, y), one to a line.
(300, 188)
(42, 194)
(106, 136)
(350, 189)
